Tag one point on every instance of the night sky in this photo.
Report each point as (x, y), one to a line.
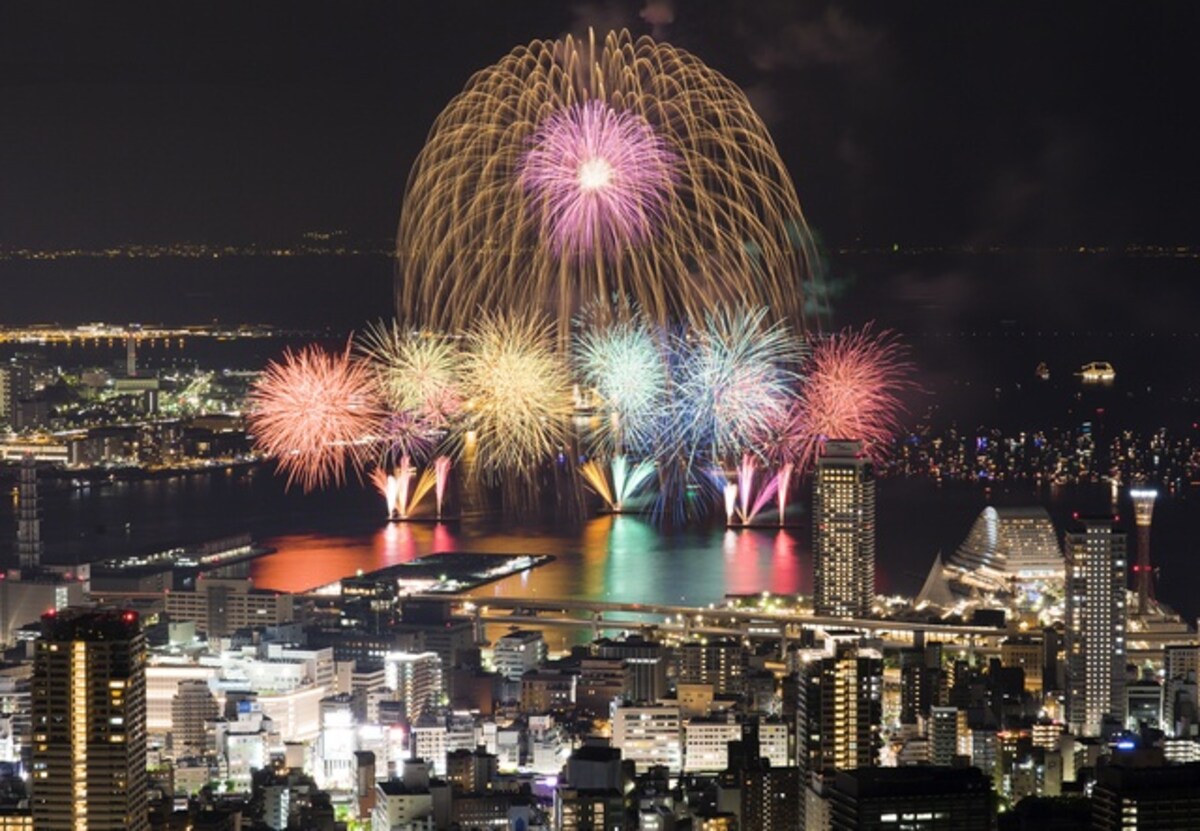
(1025, 125)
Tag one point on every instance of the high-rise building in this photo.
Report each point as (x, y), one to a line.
(222, 605)
(945, 724)
(1095, 631)
(1143, 512)
(29, 517)
(5, 395)
(1028, 654)
(192, 708)
(843, 531)
(89, 722)
(720, 663)
(416, 678)
(839, 712)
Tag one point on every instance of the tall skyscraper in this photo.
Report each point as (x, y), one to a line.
(1143, 512)
(29, 517)
(839, 711)
(88, 698)
(843, 531)
(1095, 632)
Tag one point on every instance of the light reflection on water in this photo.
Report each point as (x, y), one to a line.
(612, 558)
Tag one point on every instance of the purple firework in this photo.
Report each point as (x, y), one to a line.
(600, 177)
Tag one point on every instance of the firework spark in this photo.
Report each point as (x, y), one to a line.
(405, 434)
(314, 412)
(853, 386)
(624, 363)
(573, 171)
(441, 467)
(599, 176)
(518, 394)
(416, 373)
(736, 382)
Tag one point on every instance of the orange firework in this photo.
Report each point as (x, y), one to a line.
(315, 411)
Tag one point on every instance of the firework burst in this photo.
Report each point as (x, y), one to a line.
(517, 392)
(314, 411)
(736, 382)
(416, 373)
(573, 171)
(624, 364)
(853, 386)
(600, 178)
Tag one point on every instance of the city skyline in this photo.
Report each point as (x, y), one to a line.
(603, 415)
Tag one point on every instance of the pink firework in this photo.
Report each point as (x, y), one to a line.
(852, 390)
(314, 411)
(600, 178)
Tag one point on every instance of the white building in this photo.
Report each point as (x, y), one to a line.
(648, 736)
(416, 679)
(518, 652)
(843, 531)
(1095, 632)
(706, 744)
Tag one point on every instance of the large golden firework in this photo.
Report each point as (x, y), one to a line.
(624, 175)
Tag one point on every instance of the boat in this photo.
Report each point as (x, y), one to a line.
(1098, 371)
(1042, 371)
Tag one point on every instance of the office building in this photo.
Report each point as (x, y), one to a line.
(1135, 797)
(30, 547)
(221, 606)
(925, 797)
(843, 531)
(1095, 630)
(1181, 668)
(1029, 654)
(645, 663)
(518, 652)
(706, 743)
(89, 723)
(648, 736)
(720, 663)
(192, 709)
(839, 712)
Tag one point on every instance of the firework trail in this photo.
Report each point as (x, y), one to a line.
(852, 390)
(441, 467)
(314, 412)
(783, 480)
(517, 392)
(575, 171)
(626, 481)
(596, 477)
(388, 488)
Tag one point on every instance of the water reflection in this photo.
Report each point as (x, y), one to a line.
(616, 558)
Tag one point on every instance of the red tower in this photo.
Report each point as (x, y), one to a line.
(1143, 512)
